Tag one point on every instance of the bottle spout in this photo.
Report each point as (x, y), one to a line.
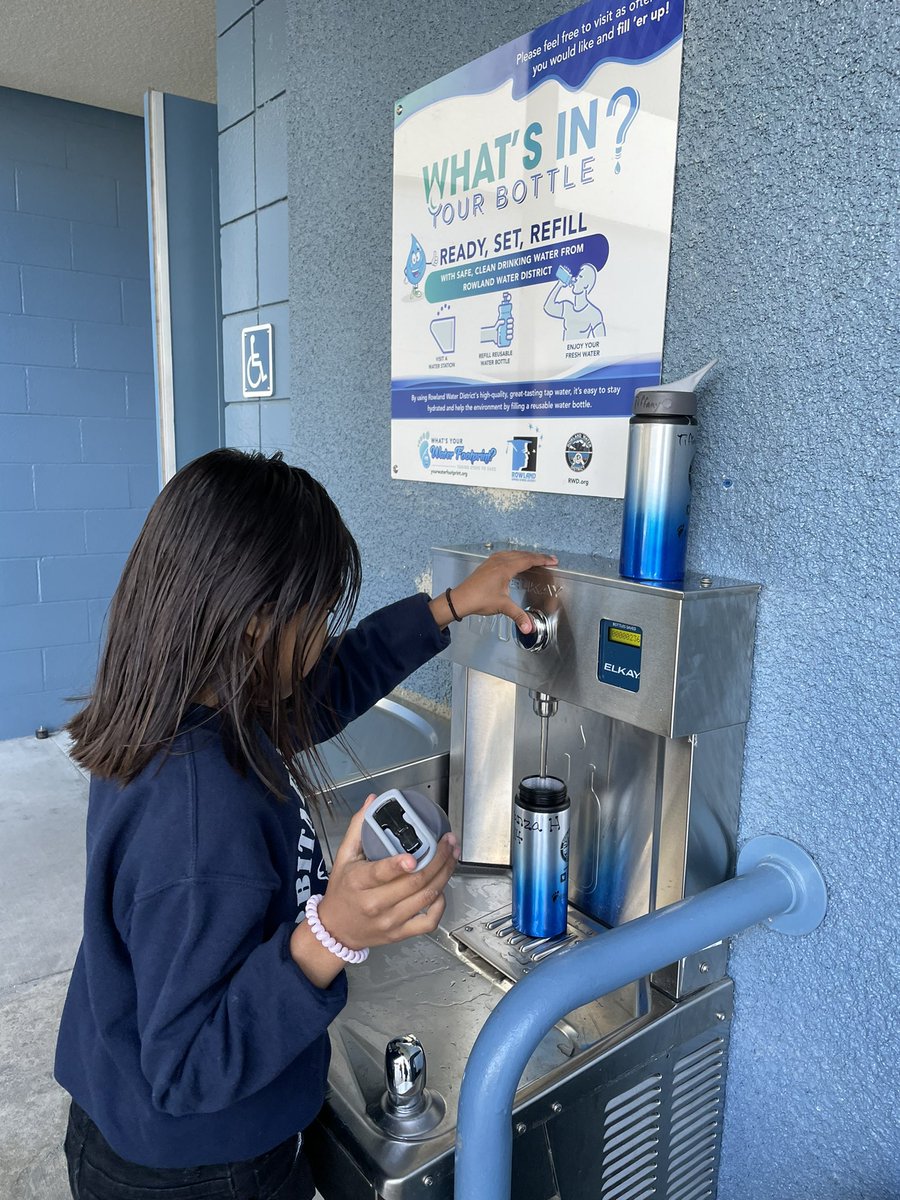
(690, 383)
(543, 703)
(676, 398)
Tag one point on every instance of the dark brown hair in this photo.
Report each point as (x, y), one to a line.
(232, 536)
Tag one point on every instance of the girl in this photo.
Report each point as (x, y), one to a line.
(193, 1040)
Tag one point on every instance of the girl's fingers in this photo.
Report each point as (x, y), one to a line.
(400, 887)
(395, 886)
(422, 901)
(423, 922)
(379, 902)
(350, 849)
(486, 590)
(522, 560)
(510, 609)
(511, 563)
(385, 871)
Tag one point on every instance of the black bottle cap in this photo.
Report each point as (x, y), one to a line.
(543, 791)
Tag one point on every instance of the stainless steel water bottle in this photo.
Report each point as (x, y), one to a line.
(540, 856)
(661, 442)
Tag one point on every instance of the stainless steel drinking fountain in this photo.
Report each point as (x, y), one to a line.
(623, 1099)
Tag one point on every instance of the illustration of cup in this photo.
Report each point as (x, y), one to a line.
(443, 330)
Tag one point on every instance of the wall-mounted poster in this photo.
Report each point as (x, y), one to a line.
(532, 216)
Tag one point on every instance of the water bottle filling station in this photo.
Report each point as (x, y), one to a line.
(594, 777)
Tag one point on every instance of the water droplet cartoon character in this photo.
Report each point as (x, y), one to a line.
(569, 303)
(416, 264)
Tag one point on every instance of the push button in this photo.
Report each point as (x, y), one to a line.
(540, 636)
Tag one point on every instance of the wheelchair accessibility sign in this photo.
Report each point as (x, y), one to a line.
(256, 356)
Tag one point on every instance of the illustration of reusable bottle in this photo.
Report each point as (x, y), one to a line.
(501, 332)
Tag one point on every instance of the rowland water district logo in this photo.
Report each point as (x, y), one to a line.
(524, 458)
(579, 452)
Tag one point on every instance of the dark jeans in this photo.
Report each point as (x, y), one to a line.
(97, 1173)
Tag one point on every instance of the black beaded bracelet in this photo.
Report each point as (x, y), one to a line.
(456, 616)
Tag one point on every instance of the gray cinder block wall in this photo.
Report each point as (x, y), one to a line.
(77, 424)
(253, 210)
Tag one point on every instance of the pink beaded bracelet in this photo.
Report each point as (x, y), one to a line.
(322, 935)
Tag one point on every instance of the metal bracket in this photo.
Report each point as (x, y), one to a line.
(810, 895)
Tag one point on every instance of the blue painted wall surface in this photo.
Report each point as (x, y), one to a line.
(253, 210)
(781, 258)
(77, 427)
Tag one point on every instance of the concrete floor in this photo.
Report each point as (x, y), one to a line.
(43, 800)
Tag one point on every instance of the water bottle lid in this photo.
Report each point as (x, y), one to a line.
(543, 791)
(653, 403)
(678, 399)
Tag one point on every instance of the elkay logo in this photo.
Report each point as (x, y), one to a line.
(524, 458)
(615, 669)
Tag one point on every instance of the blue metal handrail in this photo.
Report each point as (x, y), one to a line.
(777, 881)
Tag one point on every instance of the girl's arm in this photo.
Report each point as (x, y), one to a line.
(370, 661)
(386, 647)
(222, 1008)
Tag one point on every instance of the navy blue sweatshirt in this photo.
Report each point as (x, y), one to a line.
(189, 1034)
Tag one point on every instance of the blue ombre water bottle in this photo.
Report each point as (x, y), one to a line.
(661, 442)
(540, 856)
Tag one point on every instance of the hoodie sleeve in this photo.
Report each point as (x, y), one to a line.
(371, 660)
(221, 1013)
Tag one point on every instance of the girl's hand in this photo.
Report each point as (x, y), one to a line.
(486, 591)
(374, 903)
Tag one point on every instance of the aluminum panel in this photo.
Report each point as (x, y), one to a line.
(482, 766)
(690, 635)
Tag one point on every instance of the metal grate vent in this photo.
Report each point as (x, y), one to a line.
(696, 1123)
(532, 948)
(496, 941)
(631, 1142)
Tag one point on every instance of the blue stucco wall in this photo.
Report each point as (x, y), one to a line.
(781, 254)
(252, 40)
(77, 428)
